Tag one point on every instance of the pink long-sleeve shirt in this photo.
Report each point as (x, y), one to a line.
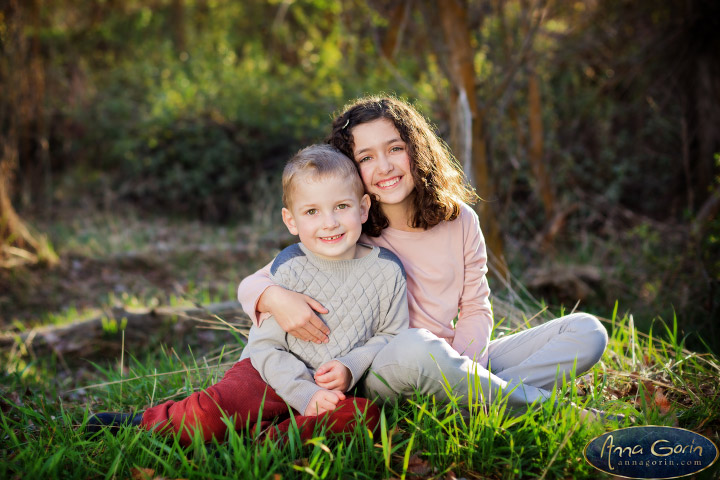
(446, 268)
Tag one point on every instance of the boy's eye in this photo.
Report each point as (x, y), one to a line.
(312, 211)
(342, 206)
(363, 159)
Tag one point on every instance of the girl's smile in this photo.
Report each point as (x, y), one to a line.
(384, 164)
(389, 183)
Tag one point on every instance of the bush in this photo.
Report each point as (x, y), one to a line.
(193, 140)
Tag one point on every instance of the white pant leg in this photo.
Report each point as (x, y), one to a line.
(416, 360)
(538, 355)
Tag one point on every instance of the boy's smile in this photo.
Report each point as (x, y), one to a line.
(327, 215)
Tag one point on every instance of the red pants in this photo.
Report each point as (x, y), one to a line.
(240, 396)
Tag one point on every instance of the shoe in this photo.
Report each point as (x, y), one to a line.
(113, 421)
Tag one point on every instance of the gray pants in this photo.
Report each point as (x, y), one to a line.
(522, 367)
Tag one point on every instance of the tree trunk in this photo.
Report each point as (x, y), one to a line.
(393, 36)
(536, 153)
(177, 17)
(17, 245)
(453, 18)
(707, 95)
(36, 126)
(536, 149)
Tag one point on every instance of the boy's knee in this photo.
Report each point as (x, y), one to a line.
(348, 412)
(202, 413)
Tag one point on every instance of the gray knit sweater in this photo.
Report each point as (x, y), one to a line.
(367, 303)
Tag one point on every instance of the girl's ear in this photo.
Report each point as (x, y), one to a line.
(289, 221)
(364, 208)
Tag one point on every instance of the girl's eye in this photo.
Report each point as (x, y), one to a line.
(312, 211)
(342, 206)
(396, 149)
(363, 159)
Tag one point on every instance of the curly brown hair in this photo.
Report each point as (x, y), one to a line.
(440, 184)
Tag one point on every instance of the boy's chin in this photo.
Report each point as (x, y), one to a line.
(335, 253)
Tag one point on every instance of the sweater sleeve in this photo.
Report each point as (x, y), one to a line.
(250, 290)
(475, 321)
(392, 322)
(280, 369)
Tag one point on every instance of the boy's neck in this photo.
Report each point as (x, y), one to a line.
(362, 250)
(359, 252)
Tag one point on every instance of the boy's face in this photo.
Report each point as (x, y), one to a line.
(328, 215)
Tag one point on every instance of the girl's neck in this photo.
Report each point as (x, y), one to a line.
(399, 216)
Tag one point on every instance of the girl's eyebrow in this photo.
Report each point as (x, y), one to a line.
(393, 140)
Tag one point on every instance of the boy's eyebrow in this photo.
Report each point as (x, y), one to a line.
(314, 205)
(393, 140)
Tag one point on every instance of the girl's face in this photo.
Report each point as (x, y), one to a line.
(384, 163)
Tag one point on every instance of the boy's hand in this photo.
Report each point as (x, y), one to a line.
(334, 376)
(323, 401)
(295, 313)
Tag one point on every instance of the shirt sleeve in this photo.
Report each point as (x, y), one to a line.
(283, 371)
(394, 321)
(475, 320)
(250, 290)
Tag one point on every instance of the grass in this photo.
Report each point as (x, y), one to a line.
(652, 378)
(44, 402)
(130, 259)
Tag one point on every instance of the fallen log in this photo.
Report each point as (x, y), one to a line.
(572, 282)
(104, 333)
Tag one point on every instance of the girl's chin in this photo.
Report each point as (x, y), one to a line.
(393, 198)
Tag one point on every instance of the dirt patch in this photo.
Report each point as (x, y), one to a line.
(35, 296)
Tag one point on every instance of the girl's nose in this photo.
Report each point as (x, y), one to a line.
(384, 166)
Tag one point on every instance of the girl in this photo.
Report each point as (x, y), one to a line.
(419, 212)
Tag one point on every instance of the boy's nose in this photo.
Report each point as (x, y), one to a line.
(330, 221)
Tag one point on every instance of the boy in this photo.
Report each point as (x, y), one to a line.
(363, 289)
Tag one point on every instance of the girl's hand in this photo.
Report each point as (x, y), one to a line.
(334, 376)
(295, 313)
(323, 401)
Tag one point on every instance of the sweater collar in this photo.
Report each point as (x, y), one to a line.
(341, 265)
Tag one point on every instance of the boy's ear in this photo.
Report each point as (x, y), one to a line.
(289, 221)
(364, 208)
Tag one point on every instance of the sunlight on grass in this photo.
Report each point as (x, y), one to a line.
(651, 379)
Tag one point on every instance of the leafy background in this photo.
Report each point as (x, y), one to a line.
(183, 111)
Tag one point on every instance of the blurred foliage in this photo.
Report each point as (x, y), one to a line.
(191, 106)
(189, 129)
(186, 125)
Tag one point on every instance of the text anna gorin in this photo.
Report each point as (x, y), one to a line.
(651, 452)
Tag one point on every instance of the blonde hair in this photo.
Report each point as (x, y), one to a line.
(319, 162)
